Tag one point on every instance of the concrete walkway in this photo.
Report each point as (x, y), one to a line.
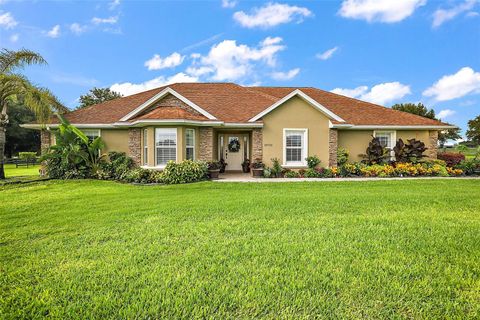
(242, 177)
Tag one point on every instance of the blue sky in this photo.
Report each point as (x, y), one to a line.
(377, 50)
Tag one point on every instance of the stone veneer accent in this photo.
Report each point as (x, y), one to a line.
(257, 144)
(206, 144)
(135, 144)
(45, 140)
(171, 101)
(432, 144)
(332, 147)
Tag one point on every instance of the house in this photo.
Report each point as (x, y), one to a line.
(210, 121)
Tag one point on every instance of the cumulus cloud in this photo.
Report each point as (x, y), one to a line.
(157, 62)
(229, 3)
(114, 4)
(382, 93)
(230, 61)
(78, 28)
(7, 21)
(443, 114)
(387, 11)
(270, 15)
(109, 20)
(443, 15)
(285, 75)
(465, 81)
(128, 88)
(54, 32)
(327, 54)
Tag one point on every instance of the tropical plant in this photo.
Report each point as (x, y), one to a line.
(342, 156)
(214, 165)
(258, 164)
(375, 153)
(312, 161)
(13, 85)
(276, 169)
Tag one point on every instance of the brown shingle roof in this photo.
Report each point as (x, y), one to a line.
(165, 113)
(230, 102)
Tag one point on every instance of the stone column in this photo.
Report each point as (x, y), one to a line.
(135, 145)
(332, 147)
(206, 144)
(45, 140)
(432, 144)
(257, 145)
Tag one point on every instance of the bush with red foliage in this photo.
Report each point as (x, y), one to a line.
(451, 158)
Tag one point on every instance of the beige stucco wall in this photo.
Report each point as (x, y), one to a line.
(115, 140)
(356, 141)
(181, 147)
(295, 114)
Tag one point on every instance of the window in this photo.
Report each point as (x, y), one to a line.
(145, 146)
(91, 134)
(165, 145)
(190, 144)
(387, 140)
(295, 147)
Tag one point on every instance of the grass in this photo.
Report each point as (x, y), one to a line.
(11, 171)
(378, 249)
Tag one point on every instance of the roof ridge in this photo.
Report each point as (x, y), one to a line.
(266, 95)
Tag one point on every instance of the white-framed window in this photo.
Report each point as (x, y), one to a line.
(145, 146)
(190, 144)
(387, 140)
(165, 145)
(91, 134)
(295, 147)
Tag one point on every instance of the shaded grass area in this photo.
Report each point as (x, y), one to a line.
(377, 249)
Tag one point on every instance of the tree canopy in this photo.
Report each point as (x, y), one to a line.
(97, 95)
(473, 132)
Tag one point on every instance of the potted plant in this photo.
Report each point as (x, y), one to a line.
(257, 168)
(246, 165)
(223, 165)
(214, 169)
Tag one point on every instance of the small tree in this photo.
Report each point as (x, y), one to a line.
(473, 132)
(97, 95)
(418, 109)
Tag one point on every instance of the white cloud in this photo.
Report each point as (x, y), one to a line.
(157, 62)
(128, 88)
(109, 20)
(271, 15)
(445, 114)
(14, 37)
(78, 28)
(442, 15)
(229, 3)
(54, 32)
(465, 81)
(230, 61)
(327, 54)
(388, 11)
(380, 94)
(7, 21)
(114, 4)
(285, 75)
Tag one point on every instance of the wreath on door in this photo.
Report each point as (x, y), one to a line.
(234, 145)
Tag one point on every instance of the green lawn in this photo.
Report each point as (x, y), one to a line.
(11, 171)
(104, 250)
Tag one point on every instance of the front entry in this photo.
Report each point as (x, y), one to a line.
(235, 150)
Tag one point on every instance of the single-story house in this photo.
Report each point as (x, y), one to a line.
(211, 121)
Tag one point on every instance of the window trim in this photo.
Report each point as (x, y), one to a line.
(393, 136)
(192, 146)
(161, 166)
(99, 131)
(145, 147)
(302, 163)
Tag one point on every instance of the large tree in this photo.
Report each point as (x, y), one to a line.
(97, 95)
(12, 85)
(473, 132)
(18, 138)
(420, 110)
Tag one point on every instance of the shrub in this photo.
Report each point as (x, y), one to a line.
(214, 165)
(117, 166)
(469, 167)
(291, 174)
(342, 156)
(451, 158)
(184, 172)
(258, 164)
(276, 169)
(311, 173)
(375, 152)
(140, 175)
(312, 161)
(267, 172)
(27, 156)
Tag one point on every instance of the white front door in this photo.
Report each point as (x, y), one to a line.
(234, 150)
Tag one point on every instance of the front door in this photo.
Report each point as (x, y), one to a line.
(234, 150)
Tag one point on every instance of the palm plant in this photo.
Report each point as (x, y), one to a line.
(13, 85)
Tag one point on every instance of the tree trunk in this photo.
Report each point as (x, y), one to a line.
(2, 149)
